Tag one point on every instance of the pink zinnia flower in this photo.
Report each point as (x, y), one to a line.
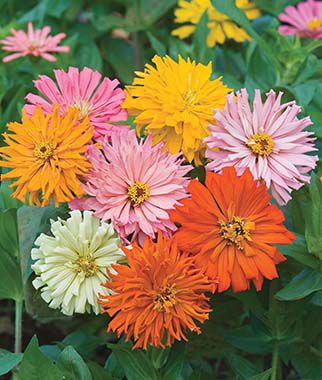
(304, 20)
(135, 185)
(101, 102)
(35, 42)
(269, 140)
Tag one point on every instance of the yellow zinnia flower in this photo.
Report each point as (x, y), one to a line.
(47, 155)
(175, 101)
(220, 26)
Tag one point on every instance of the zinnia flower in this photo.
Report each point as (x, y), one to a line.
(220, 26)
(71, 265)
(175, 102)
(47, 156)
(35, 42)
(101, 102)
(134, 184)
(268, 139)
(305, 20)
(230, 228)
(158, 297)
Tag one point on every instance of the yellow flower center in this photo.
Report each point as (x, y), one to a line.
(44, 150)
(86, 265)
(315, 23)
(261, 144)
(235, 231)
(165, 298)
(189, 97)
(138, 193)
(84, 108)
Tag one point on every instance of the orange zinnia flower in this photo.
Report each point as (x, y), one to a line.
(229, 226)
(158, 296)
(47, 155)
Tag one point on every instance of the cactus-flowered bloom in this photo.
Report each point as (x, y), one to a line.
(71, 265)
(269, 139)
(36, 42)
(47, 156)
(174, 101)
(158, 296)
(231, 229)
(304, 20)
(221, 27)
(100, 101)
(134, 184)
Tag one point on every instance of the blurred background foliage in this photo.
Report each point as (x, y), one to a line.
(275, 334)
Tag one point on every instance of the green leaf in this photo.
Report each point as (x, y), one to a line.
(302, 285)
(8, 360)
(135, 363)
(241, 366)
(157, 45)
(98, 372)
(36, 366)
(175, 363)
(112, 365)
(84, 343)
(11, 283)
(72, 366)
(317, 298)
(89, 55)
(229, 8)
(158, 356)
(202, 53)
(262, 376)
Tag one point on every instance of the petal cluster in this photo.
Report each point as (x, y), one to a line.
(304, 20)
(134, 184)
(71, 264)
(269, 139)
(174, 101)
(47, 156)
(158, 296)
(221, 27)
(36, 42)
(100, 101)
(231, 229)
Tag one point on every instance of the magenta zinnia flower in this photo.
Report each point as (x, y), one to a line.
(135, 185)
(35, 42)
(269, 140)
(101, 102)
(304, 20)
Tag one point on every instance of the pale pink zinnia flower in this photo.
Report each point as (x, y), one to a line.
(101, 102)
(35, 42)
(269, 140)
(304, 20)
(135, 185)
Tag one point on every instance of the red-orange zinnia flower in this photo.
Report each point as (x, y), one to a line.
(229, 226)
(158, 296)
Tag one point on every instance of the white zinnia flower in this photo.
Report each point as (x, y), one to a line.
(71, 265)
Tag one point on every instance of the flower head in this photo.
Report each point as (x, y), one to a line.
(134, 184)
(35, 42)
(175, 101)
(220, 26)
(305, 19)
(71, 265)
(158, 296)
(47, 156)
(269, 140)
(101, 102)
(230, 227)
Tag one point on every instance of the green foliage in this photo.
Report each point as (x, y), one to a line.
(272, 334)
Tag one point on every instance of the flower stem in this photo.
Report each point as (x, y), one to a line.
(275, 360)
(18, 326)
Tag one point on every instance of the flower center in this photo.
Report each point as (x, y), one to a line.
(44, 150)
(315, 23)
(86, 265)
(235, 231)
(261, 144)
(165, 298)
(84, 108)
(189, 97)
(138, 193)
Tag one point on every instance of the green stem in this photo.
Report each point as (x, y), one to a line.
(18, 326)
(275, 361)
